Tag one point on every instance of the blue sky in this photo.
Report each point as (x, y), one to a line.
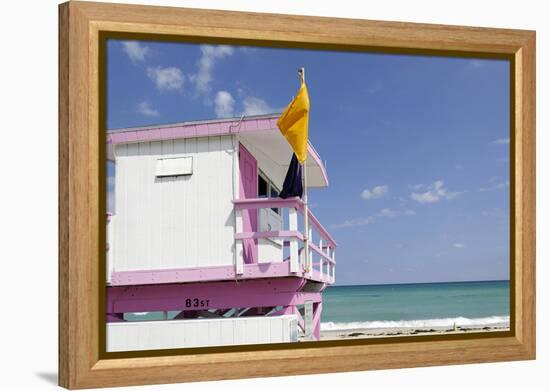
(417, 147)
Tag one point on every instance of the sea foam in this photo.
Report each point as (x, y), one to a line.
(419, 323)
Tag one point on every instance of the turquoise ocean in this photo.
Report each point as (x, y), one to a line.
(442, 304)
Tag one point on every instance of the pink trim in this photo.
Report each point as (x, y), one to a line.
(192, 129)
(269, 234)
(212, 273)
(259, 203)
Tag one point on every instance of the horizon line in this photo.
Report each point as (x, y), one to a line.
(425, 282)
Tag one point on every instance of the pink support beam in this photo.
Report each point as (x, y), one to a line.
(196, 302)
(200, 296)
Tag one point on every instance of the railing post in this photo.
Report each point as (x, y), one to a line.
(239, 250)
(321, 259)
(330, 253)
(310, 253)
(293, 226)
(333, 265)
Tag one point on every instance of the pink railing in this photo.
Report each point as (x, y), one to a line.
(321, 264)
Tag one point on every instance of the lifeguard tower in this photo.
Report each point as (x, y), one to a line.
(200, 236)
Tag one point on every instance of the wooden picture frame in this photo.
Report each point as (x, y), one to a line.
(83, 26)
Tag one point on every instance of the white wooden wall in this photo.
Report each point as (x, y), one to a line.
(270, 250)
(174, 222)
(173, 334)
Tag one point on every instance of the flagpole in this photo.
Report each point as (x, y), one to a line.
(306, 220)
(302, 73)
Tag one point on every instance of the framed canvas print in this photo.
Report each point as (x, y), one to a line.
(299, 194)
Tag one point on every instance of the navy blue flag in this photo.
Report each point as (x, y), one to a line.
(292, 187)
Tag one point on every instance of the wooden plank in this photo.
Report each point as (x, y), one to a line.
(301, 31)
(293, 226)
(65, 353)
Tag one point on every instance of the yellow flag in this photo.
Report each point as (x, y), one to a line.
(293, 123)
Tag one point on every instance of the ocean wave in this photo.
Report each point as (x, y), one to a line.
(417, 323)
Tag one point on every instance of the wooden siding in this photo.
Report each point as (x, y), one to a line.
(178, 221)
(173, 334)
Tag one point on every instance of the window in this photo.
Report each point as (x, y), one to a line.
(174, 166)
(262, 187)
(267, 188)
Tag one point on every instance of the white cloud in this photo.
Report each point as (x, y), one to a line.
(387, 212)
(145, 108)
(209, 55)
(501, 141)
(135, 50)
(383, 213)
(434, 193)
(493, 185)
(376, 192)
(166, 79)
(355, 222)
(224, 104)
(256, 106)
(458, 245)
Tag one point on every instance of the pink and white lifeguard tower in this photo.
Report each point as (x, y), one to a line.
(198, 228)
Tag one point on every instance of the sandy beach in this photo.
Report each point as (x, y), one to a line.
(327, 335)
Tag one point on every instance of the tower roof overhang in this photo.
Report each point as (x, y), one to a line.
(259, 133)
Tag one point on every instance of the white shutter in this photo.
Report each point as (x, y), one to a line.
(174, 166)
